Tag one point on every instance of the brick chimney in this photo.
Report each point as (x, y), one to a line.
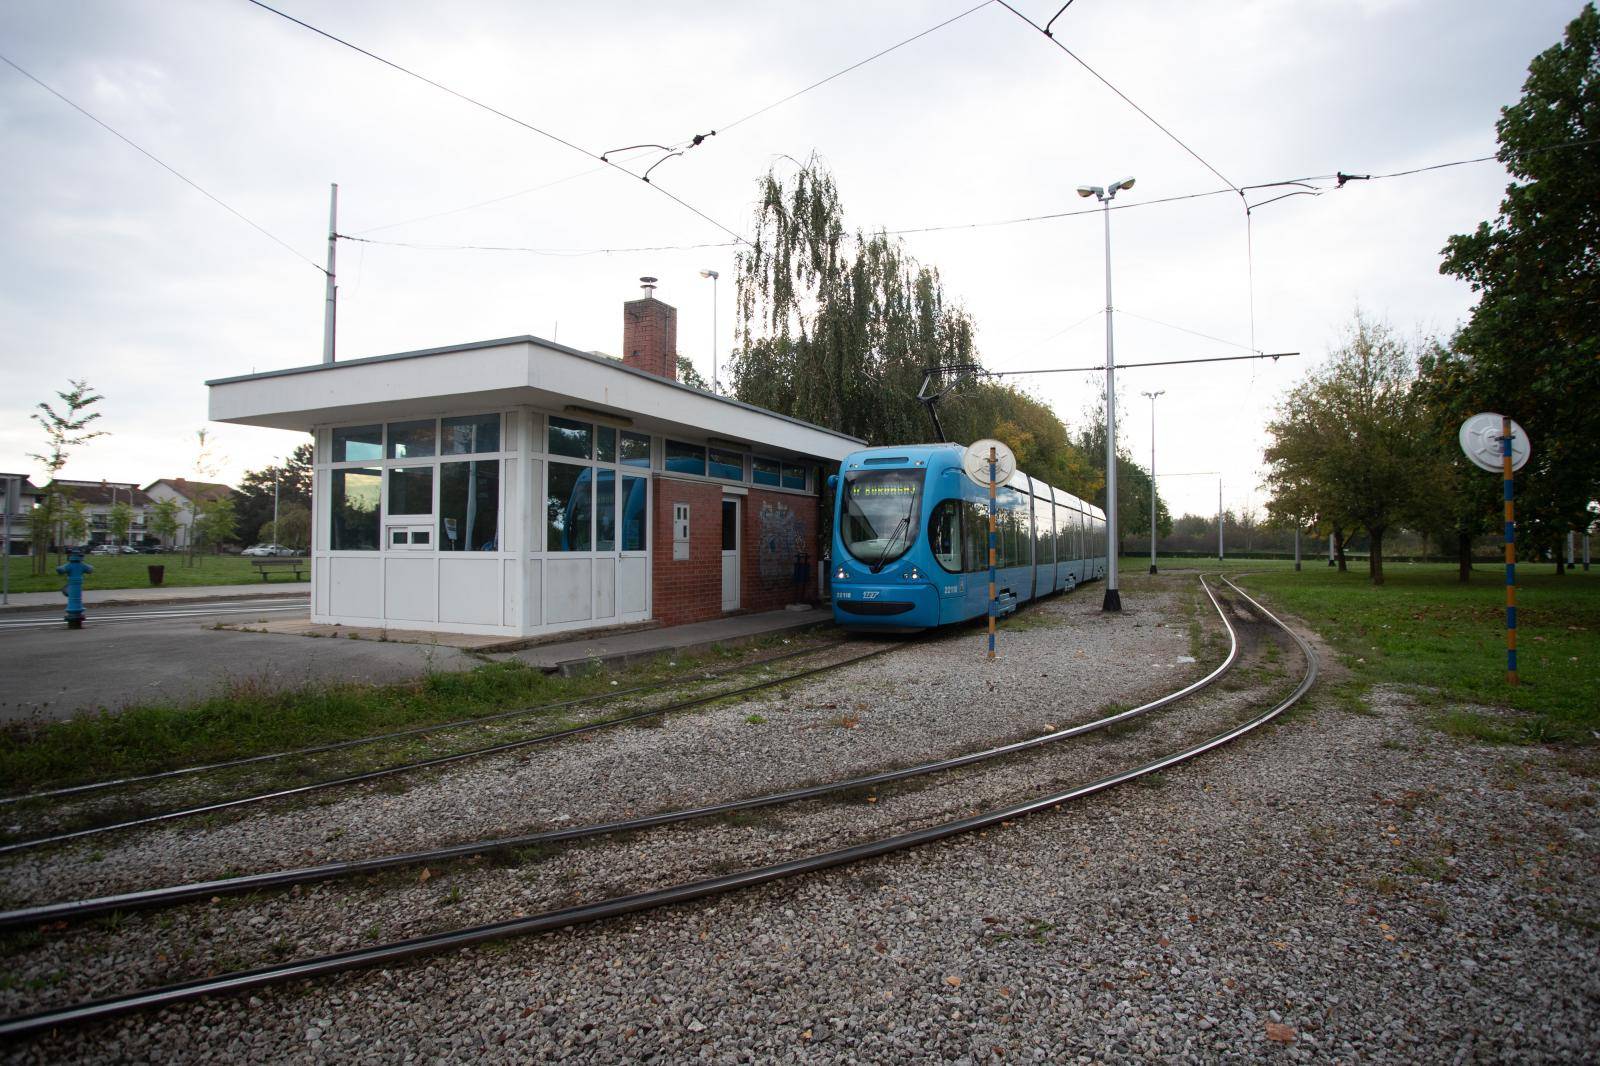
(650, 334)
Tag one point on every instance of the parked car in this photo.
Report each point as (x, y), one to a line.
(105, 549)
(258, 549)
(129, 549)
(279, 549)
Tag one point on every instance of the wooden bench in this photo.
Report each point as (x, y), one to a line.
(263, 566)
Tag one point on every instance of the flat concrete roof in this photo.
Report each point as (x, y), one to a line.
(494, 372)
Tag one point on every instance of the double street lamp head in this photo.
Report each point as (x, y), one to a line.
(1107, 193)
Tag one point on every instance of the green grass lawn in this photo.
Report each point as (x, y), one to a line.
(1424, 629)
(130, 572)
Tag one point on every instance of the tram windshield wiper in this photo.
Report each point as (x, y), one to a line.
(888, 545)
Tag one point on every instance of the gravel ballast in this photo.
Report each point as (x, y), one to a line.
(1341, 885)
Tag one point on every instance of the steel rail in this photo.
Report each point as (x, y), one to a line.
(399, 734)
(436, 943)
(72, 910)
(424, 764)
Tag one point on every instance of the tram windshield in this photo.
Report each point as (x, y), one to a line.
(879, 514)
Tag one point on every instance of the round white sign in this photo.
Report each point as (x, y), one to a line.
(976, 462)
(1480, 440)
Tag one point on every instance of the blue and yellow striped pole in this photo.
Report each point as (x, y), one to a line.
(993, 459)
(1511, 553)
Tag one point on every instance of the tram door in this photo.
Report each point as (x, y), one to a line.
(730, 553)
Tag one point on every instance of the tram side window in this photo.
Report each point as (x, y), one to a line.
(975, 536)
(944, 535)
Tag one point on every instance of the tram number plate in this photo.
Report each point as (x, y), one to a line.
(869, 595)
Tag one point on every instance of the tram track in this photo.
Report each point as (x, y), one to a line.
(694, 889)
(173, 895)
(401, 734)
(451, 758)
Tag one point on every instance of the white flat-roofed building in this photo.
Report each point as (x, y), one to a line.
(518, 486)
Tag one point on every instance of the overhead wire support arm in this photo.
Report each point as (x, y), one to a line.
(930, 400)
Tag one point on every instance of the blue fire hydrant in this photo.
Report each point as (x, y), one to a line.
(74, 568)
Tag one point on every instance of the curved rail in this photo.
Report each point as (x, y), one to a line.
(621, 905)
(400, 734)
(178, 894)
(423, 764)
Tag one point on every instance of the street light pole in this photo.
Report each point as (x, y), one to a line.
(713, 275)
(1113, 598)
(1153, 395)
(276, 472)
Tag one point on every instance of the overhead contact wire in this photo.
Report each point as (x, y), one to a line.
(169, 168)
(493, 111)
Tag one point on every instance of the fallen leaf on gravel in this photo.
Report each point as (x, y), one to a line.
(881, 948)
(806, 1035)
(1005, 991)
(953, 982)
(424, 875)
(1163, 941)
(1283, 1034)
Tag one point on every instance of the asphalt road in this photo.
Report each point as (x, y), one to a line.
(126, 656)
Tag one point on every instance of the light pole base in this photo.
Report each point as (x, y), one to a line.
(1112, 602)
(1152, 568)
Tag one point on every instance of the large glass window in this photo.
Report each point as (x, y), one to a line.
(634, 513)
(605, 510)
(567, 508)
(944, 534)
(356, 492)
(570, 438)
(794, 477)
(410, 490)
(469, 506)
(729, 465)
(411, 440)
(766, 471)
(605, 444)
(685, 458)
(470, 434)
(879, 514)
(635, 449)
(357, 444)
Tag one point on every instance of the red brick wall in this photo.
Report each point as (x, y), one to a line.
(686, 590)
(774, 526)
(777, 525)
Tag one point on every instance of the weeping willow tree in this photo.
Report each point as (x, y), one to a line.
(837, 328)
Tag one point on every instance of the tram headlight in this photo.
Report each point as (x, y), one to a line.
(912, 575)
(839, 574)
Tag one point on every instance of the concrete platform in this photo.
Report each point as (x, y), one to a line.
(613, 647)
(567, 653)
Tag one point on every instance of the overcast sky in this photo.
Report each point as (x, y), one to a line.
(115, 271)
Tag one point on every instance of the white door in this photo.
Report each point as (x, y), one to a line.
(730, 553)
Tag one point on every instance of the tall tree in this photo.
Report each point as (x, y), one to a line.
(120, 521)
(163, 521)
(253, 497)
(1462, 501)
(1533, 341)
(64, 430)
(1350, 440)
(838, 328)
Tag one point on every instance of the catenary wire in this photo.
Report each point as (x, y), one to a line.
(495, 111)
(725, 127)
(854, 66)
(169, 168)
(1124, 96)
(946, 227)
(1191, 332)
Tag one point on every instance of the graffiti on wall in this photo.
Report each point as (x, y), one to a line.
(779, 539)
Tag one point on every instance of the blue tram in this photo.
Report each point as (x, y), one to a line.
(911, 540)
